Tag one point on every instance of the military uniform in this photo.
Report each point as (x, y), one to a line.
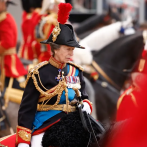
(128, 103)
(51, 95)
(8, 39)
(33, 98)
(29, 49)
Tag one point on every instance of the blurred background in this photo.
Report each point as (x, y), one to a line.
(83, 9)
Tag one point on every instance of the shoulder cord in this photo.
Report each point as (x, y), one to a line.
(28, 77)
(59, 89)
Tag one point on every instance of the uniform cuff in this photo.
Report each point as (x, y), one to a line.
(23, 135)
(90, 104)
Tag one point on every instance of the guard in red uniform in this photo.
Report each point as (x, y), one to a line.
(128, 105)
(37, 4)
(8, 40)
(132, 131)
(30, 49)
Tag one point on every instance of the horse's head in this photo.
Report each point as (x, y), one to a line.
(119, 55)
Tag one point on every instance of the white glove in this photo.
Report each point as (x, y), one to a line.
(86, 107)
(129, 31)
(23, 145)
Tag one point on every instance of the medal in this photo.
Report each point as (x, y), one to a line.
(59, 76)
(73, 82)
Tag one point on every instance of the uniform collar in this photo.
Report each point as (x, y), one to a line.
(3, 16)
(56, 63)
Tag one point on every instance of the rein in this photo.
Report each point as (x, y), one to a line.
(99, 70)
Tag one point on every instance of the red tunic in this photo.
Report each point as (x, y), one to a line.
(8, 40)
(30, 49)
(127, 104)
(131, 132)
(9, 141)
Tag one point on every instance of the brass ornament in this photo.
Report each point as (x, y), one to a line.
(24, 135)
(56, 31)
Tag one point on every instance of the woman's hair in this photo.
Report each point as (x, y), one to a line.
(54, 47)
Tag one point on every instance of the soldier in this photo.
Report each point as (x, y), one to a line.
(51, 93)
(30, 18)
(37, 4)
(8, 40)
(129, 99)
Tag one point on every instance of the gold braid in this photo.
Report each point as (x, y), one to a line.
(59, 93)
(77, 92)
(60, 88)
(48, 95)
(31, 71)
(28, 77)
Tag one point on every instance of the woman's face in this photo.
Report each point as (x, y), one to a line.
(64, 53)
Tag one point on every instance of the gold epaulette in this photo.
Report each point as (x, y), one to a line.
(78, 66)
(3, 16)
(35, 70)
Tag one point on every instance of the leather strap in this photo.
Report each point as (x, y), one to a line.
(99, 69)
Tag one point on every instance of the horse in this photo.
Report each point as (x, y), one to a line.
(110, 63)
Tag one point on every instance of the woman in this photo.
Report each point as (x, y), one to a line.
(51, 93)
